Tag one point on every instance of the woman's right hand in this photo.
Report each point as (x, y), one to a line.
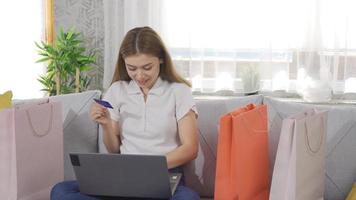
(111, 138)
(100, 114)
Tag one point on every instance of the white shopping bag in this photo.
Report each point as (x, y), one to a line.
(299, 169)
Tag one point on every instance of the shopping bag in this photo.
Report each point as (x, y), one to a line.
(31, 150)
(299, 168)
(242, 157)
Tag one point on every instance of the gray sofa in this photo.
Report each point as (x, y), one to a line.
(83, 135)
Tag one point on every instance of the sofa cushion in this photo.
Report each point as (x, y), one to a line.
(200, 173)
(79, 131)
(341, 140)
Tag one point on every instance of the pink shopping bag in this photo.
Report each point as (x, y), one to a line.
(299, 169)
(31, 150)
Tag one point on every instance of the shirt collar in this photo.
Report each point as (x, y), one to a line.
(157, 88)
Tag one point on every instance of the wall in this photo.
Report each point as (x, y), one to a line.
(87, 16)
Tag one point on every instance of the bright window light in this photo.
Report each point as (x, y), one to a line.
(280, 81)
(350, 85)
(224, 81)
(22, 25)
(196, 83)
(231, 24)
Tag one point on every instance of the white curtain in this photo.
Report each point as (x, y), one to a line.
(229, 45)
(120, 16)
(21, 25)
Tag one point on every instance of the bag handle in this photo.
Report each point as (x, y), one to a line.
(262, 116)
(34, 131)
(307, 139)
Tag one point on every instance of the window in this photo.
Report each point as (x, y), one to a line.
(292, 45)
(22, 24)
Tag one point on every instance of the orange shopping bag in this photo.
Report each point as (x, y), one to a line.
(242, 159)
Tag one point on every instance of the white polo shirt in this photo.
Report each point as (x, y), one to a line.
(149, 127)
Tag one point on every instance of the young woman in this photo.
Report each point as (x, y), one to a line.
(154, 112)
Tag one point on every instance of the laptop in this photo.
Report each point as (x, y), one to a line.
(124, 175)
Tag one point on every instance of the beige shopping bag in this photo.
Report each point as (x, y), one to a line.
(299, 169)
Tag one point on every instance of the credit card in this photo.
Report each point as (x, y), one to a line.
(103, 103)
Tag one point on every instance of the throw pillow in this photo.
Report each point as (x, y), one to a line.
(5, 100)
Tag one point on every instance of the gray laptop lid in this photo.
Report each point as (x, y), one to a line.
(122, 175)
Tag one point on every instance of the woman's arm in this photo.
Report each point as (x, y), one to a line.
(188, 150)
(111, 137)
(111, 129)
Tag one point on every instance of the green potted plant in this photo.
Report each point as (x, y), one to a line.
(67, 61)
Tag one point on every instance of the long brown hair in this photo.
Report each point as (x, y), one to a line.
(145, 40)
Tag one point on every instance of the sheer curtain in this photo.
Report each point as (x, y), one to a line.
(119, 17)
(274, 45)
(21, 25)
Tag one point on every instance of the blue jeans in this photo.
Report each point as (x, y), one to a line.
(69, 190)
